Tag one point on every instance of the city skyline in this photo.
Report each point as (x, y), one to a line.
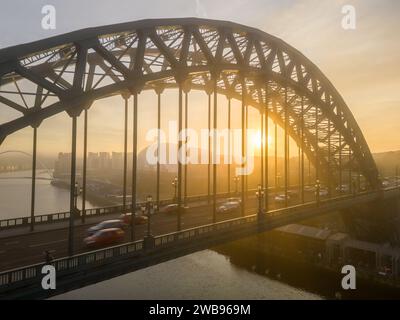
(365, 78)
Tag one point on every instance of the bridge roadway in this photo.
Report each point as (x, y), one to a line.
(19, 247)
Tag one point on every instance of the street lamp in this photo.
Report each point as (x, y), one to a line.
(77, 192)
(317, 191)
(260, 196)
(150, 210)
(236, 179)
(175, 185)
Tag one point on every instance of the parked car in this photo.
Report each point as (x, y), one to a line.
(105, 225)
(105, 237)
(229, 207)
(137, 219)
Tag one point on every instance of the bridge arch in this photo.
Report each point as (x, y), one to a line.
(69, 72)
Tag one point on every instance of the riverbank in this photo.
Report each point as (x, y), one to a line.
(268, 255)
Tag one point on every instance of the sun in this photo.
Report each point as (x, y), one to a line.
(256, 139)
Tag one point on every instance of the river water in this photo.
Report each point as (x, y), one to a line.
(15, 195)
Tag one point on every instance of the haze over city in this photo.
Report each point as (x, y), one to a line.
(361, 63)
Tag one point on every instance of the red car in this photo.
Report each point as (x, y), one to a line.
(105, 237)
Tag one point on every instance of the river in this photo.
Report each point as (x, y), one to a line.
(15, 195)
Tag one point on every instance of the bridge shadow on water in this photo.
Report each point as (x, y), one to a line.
(252, 254)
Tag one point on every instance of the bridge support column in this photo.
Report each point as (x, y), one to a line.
(159, 91)
(134, 162)
(242, 181)
(302, 150)
(209, 150)
(72, 211)
(84, 168)
(265, 142)
(186, 140)
(180, 157)
(32, 226)
(125, 97)
(215, 136)
(286, 146)
(229, 146)
(276, 156)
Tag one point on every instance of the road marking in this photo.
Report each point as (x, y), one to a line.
(46, 243)
(11, 242)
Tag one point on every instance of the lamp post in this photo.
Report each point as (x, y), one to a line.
(317, 191)
(236, 179)
(260, 196)
(149, 209)
(77, 192)
(175, 185)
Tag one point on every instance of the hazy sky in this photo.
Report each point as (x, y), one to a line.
(363, 64)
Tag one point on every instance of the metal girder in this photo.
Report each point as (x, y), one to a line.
(166, 51)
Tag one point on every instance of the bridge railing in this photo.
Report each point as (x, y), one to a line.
(30, 275)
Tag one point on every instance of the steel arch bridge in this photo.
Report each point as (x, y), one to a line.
(68, 72)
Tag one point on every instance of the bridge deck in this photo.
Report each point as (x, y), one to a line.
(102, 264)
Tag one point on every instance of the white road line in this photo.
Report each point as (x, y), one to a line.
(46, 243)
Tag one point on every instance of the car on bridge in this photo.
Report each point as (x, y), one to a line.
(105, 237)
(293, 194)
(237, 199)
(309, 188)
(344, 188)
(281, 198)
(229, 207)
(105, 225)
(323, 192)
(172, 209)
(137, 219)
